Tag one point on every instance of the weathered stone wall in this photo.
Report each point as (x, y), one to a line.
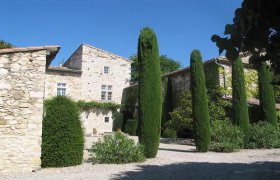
(21, 110)
(72, 80)
(95, 118)
(92, 78)
(93, 61)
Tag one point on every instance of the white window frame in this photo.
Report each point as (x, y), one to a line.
(61, 89)
(106, 69)
(106, 92)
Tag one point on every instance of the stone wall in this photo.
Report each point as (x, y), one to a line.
(93, 62)
(95, 119)
(72, 80)
(21, 109)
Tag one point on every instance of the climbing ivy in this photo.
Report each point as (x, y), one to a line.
(251, 84)
(98, 105)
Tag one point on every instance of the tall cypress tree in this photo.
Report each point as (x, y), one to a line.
(239, 98)
(266, 93)
(149, 92)
(200, 111)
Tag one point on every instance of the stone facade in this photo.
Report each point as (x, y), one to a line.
(83, 73)
(21, 106)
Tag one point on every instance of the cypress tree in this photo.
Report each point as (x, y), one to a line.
(149, 92)
(167, 104)
(200, 111)
(266, 93)
(239, 98)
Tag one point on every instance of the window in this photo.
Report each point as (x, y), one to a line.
(106, 70)
(106, 92)
(106, 119)
(61, 89)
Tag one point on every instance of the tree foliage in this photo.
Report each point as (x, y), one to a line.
(149, 92)
(5, 45)
(167, 65)
(201, 125)
(255, 28)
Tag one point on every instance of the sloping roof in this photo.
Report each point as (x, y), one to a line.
(52, 49)
(63, 69)
(106, 52)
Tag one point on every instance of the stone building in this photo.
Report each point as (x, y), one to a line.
(217, 74)
(22, 72)
(90, 74)
(26, 79)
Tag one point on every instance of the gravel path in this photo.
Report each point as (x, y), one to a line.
(175, 160)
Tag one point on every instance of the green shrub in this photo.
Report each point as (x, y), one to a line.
(131, 127)
(149, 92)
(117, 120)
(226, 137)
(62, 136)
(181, 117)
(263, 135)
(200, 112)
(278, 118)
(116, 149)
(169, 133)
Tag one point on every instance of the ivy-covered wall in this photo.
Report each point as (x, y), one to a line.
(172, 86)
(251, 83)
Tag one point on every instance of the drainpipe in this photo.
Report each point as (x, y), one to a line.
(223, 66)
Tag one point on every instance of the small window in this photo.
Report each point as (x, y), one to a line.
(106, 69)
(109, 87)
(61, 89)
(106, 119)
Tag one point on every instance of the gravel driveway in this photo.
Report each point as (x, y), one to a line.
(175, 160)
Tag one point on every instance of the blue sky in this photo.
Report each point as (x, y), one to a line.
(114, 25)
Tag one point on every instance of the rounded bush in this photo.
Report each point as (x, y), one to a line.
(226, 137)
(116, 149)
(63, 137)
(263, 135)
(169, 133)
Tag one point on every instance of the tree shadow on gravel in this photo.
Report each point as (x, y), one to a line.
(205, 170)
(178, 150)
(179, 141)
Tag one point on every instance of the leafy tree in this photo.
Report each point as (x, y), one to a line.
(149, 92)
(255, 29)
(5, 45)
(166, 65)
(201, 125)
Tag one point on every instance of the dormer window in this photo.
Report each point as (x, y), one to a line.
(106, 70)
